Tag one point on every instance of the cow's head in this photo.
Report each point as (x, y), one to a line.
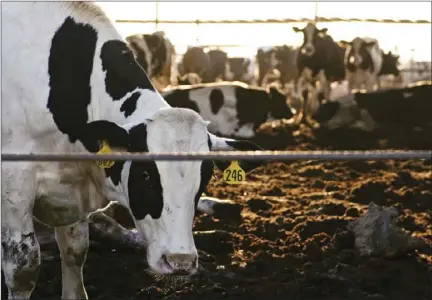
(310, 35)
(278, 103)
(357, 55)
(162, 195)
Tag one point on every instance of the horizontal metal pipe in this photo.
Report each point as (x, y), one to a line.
(224, 155)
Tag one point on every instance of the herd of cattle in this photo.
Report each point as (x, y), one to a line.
(84, 87)
(335, 84)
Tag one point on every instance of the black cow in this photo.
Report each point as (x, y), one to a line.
(320, 58)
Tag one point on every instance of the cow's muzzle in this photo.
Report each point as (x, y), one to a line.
(181, 264)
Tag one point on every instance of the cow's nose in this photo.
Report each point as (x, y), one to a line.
(309, 50)
(181, 263)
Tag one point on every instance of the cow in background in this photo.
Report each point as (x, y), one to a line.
(240, 69)
(320, 60)
(155, 53)
(408, 107)
(363, 61)
(280, 58)
(194, 60)
(218, 65)
(233, 109)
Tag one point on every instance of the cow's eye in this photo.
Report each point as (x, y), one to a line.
(146, 175)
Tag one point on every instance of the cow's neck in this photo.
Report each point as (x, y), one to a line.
(136, 107)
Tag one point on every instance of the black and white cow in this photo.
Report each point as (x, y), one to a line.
(239, 69)
(81, 88)
(232, 108)
(410, 106)
(363, 62)
(281, 58)
(320, 59)
(155, 53)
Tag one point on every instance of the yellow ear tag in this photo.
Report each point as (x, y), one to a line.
(234, 174)
(105, 150)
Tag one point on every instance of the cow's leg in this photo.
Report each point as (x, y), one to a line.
(352, 82)
(73, 242)
(301, 87)
(325, 86)
(20, 248)
(370, 81)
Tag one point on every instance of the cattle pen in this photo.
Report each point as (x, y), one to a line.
(222, 188)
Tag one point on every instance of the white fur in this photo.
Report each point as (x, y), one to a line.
(79, 188)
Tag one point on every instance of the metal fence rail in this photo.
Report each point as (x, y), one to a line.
(224, 155)
(275, 21)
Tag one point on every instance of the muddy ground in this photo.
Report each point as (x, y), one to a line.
(286, 238)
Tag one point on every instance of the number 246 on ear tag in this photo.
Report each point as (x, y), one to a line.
(234, 174)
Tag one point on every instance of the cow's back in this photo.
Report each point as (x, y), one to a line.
(29, 75)
(410, 105)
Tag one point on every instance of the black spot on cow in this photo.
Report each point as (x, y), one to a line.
(144, 184)
(180, 98)
(123, 74)
(140, 54)
(70, 66)
(114, 173)
(326, 111)
(206, 174)
(255, 104)
(279, 107)
(252, 106)
(129, 105)
(216, 100)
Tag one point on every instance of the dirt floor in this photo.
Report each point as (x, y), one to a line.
(286, 238)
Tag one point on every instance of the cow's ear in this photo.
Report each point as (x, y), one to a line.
(223, 144)
(343, 42)
(95, 133)
(323, 30)
(296, 29)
